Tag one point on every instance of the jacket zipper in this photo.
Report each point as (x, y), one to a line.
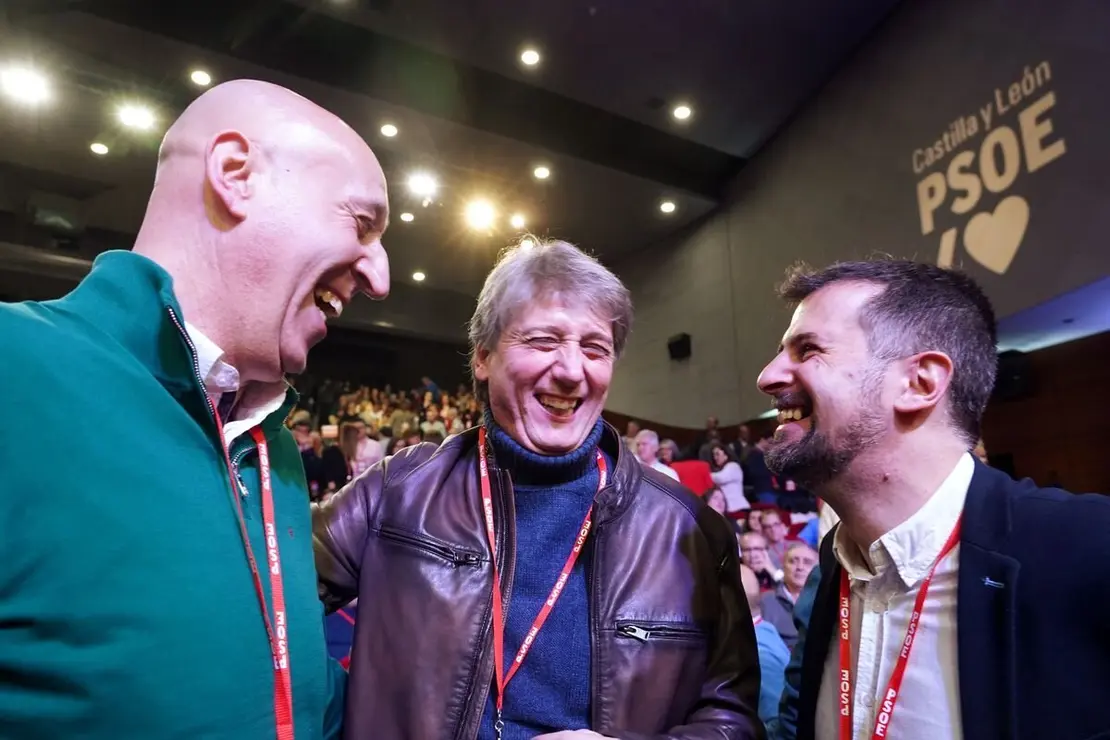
(645, 632)
(233, 467)
(455, 557)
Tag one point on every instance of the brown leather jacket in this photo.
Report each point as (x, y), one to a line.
(673, 648)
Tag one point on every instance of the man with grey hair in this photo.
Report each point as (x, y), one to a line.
(527, 578)
(647, 450)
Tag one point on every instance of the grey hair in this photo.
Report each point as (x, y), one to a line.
(649, 435)
(534, 269)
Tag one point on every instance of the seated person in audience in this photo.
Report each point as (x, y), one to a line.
(773, 652)
(432, 424)
(754, 522)
(626, 617)
(953, 601)
(774, 530)
(647, 452)
(756, 475)
(753, 553)
(668, 451)
(778, 604)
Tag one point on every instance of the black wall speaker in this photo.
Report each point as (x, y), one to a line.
(1016, 378)
(678, 347)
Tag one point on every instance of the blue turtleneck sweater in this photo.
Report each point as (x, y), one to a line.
(551, 690)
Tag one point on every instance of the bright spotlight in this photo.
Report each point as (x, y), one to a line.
(517, 221)
(389, 130)
(407, 217)
(667, 206)
(530, 57)
(541, 173)
(423, 184)
(480, 214)
(99, 149)
(527, 244)
(682, 112)
(137, 117)
(418, 276)
(25, 85)
(200, 77)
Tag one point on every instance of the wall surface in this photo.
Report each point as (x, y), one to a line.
(966, 132)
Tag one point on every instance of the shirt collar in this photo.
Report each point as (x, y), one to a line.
(219, 376)
(913, 546)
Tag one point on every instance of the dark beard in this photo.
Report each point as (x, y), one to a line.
(816, 460)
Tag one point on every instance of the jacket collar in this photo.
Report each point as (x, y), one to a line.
(624, 479)
(130, 298)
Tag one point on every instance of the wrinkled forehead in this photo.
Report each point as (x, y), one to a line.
(562, 316)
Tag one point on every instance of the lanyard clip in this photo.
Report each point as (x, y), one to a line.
(498, 725)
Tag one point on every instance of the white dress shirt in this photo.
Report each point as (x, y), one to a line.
(220, 378)
(885, 583)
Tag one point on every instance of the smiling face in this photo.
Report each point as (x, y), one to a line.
(308, 240)
(549, 374)
(828, 387)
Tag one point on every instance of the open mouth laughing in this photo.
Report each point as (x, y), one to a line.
(329, 303)
(559, 406)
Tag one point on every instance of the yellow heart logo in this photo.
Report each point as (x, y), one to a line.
(993, 239)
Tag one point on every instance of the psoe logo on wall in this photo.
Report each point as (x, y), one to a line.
(1017, 138)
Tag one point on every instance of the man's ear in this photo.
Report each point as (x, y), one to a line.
(480, 365)
(926, 381)
(229, 164)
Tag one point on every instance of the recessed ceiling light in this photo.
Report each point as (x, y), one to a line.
(200, 77)
(480, 214)
(97, 148)
(423, 184)
(389, 130)
(530, 57)
(667, 206)
(527, 244)
(418, 276)
(682, 112)
(407, 217)
(541, 173)
(517, 221)
(136, 116)
(25, 85)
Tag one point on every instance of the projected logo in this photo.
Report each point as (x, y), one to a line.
(986, 157)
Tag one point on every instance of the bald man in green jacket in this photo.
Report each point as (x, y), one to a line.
(156, 567)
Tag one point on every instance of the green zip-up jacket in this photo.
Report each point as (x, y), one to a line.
(127, 606)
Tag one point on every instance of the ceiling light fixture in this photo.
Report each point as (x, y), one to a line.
(389, 130)
(530, 57)
(200, 77)
(682, 112)
(527, 244)
(517, 221)
(667, 206)
(97, 148)
(541, 172)
(418, 276)
(423, 184)
(480, 214)
(136, 116)
(407, 217)
(25, 85)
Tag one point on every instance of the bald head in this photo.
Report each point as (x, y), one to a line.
(268, 212)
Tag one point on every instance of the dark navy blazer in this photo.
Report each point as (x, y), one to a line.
(1033, 618)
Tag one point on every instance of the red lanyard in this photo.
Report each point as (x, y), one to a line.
(502, 679)
(890, 696)
(277, 630)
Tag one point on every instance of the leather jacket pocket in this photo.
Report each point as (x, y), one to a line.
(671, 632)
(454, 556)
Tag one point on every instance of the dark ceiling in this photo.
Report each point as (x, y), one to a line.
(596, 110)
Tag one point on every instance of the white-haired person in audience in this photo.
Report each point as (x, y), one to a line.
(647, 451)
(626, 617)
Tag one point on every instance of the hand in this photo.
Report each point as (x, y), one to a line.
(572, 735)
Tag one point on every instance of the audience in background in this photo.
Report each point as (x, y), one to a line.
(647, 451)
(773, 652)
(728, 476)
